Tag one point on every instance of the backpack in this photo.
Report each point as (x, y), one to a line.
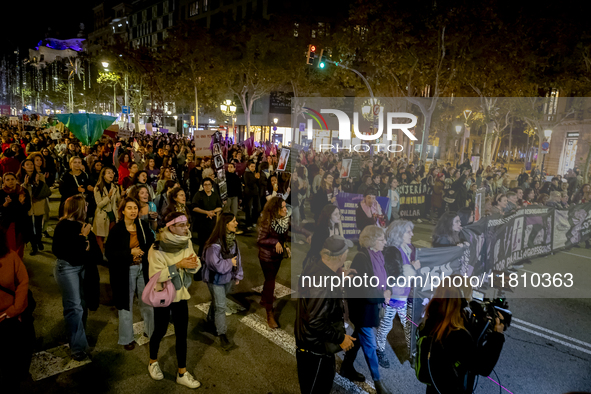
(431, 361)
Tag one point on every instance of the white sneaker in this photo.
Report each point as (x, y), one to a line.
(187, 380)
(155, 371)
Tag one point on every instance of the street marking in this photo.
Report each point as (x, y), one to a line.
(287, 342)
(578, 255)
(280, 290)
(551, 339)
(553, 333)
(138, 333)
(231, 307)
(53, 361)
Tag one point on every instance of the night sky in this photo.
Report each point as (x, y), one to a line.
(26, 22)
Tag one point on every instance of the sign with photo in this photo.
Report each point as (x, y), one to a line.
(346, 168)
(283, 159)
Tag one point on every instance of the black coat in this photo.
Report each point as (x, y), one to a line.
(16, 213)
(251, 184)
(394, 261)
(362, 220)
(120, 258)
(364, 302)
(461, 193)
(319, 325)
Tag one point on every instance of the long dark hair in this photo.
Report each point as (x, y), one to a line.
(270, 212)
(101, 184)
(444, 229)
(325, 214)
(219, 232)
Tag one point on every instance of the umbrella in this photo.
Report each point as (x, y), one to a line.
(88, 128)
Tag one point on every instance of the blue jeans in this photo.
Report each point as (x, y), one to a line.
(217, 309)
(136, 285)
(70, 280)
(366, 339)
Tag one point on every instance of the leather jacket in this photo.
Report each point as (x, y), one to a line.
(319, 325)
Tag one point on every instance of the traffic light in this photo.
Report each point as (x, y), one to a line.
(311, 55)
(321, 63)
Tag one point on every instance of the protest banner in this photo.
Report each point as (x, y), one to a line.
(496, 243)
(348, 203)
(202, 140)
(412, 201)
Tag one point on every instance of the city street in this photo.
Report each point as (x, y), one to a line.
(547, 349)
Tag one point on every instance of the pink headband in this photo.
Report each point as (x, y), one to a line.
(177, 220)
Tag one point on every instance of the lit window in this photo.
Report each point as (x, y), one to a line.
(194, 9)
(204, 5)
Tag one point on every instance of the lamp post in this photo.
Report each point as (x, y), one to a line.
(106, 67)
(545, 147)
(467, 114)
(371, 110)
(275, 121)
(229, 109)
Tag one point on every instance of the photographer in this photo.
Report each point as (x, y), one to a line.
(460, 348)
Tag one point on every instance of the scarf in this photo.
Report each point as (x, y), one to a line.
(17, 189)
(379, 270)
(172, 243)
(230, 239)
(280, 225)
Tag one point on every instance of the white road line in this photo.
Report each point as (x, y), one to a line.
(231, 307)
(553, 332)
(280, 290)
(578, 255)
(551, 339)
(138, 333)
(53, 361)
(287, 342)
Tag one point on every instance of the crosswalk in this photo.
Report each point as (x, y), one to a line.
(53, 361)
(58, 359)
(283, 339)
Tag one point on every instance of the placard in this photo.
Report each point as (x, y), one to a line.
(283, 159)
(346, 168)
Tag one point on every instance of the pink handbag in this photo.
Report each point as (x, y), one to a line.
(161, 298)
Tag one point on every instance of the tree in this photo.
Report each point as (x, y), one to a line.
(189, 67)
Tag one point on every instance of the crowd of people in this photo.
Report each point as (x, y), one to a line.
(138, 205)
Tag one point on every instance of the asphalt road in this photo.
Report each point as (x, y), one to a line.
(547, 350)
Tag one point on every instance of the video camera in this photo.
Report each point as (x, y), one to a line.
(482, 310)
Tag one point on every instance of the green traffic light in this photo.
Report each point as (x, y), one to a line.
(321, 65)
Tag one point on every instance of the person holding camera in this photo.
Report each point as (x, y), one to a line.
(459, 350)
(319, 325)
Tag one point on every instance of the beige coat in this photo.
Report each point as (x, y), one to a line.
(38, 207)
(104, 204)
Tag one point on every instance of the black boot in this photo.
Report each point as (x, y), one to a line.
(226, 344)
(40, 246)
(348, 371)
(34, 251)
(380, 389)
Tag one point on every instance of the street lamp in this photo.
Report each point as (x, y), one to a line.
(229, 109)
(467, 114)
(105, 64)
